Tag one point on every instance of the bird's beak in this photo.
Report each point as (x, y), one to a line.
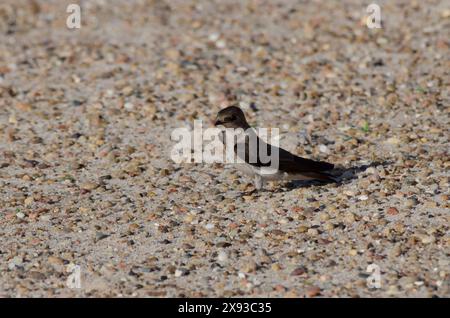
(218, 122)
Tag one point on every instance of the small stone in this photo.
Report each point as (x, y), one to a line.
(392, 211)
(89, 186)
(12, 119)
(43, 165)
(129, 106)
(36, 275)
(349, 217)
(181, 272)
(324, 149)
(353, 252)
(371, 170)
(411, 202)
(20, 215)
(249, 267)
(393, 141)
(363, 197)
(213, 37)
(223, 244)
(277, 232)
(302, 229)
(220, 44)
(133, 227)
(24, 107)
(275, 267)
(259, 234)
(445, 13)
(100, 236)
(28, 201)
(15, 262)
(222, 256)
(349, 193)
(427, 239)
(189, 218)
(172, 54)
(53, 260)
(312, 291)
(127, 90)
(298, 271)
(209, 226)
(328, 226)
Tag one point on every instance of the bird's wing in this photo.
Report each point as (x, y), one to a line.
(291, 163)
(287, 162)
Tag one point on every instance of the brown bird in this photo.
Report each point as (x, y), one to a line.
(283, 165)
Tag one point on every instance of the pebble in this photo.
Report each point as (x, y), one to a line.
(363, 197)
(89, 186)
(80, 106)
(312, 291)
(28, 201)
(15, 262)
(393, 141)
(20, 215)
(25, 107)
(54, 260)
(259, 234)
(100, 236)
(427, 239)
(349, 193)
(222, 256)
(181, 272)
(249, 267)
(392, 211)
(371, 170)
(324, 149)
(411, 202)
(298, 271)
(209, 226)
(128, 106)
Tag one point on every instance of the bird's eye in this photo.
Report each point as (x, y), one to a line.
(230, 118)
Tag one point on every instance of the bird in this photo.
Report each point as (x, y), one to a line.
(288, 167)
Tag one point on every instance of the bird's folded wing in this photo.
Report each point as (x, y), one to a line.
(292, 163)
(287, 161)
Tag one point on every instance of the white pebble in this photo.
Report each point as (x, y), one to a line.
(209, 226)
(178, 273)
(323, 148)
(128, 106)
(259, 234)
(371, 170)
(20, 215)
(222, 257)
(213, 37)
(244, 105)
(221, 44)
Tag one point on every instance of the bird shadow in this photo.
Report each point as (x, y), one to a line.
(341, 175)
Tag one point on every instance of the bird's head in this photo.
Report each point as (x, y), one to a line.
(231, 117)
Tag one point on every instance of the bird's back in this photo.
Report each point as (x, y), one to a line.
(287, 162)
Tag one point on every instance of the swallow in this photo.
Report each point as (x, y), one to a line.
(288, 165)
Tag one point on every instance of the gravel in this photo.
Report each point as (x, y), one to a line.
(86, 177)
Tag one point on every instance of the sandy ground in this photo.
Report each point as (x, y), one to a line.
(86, 176)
